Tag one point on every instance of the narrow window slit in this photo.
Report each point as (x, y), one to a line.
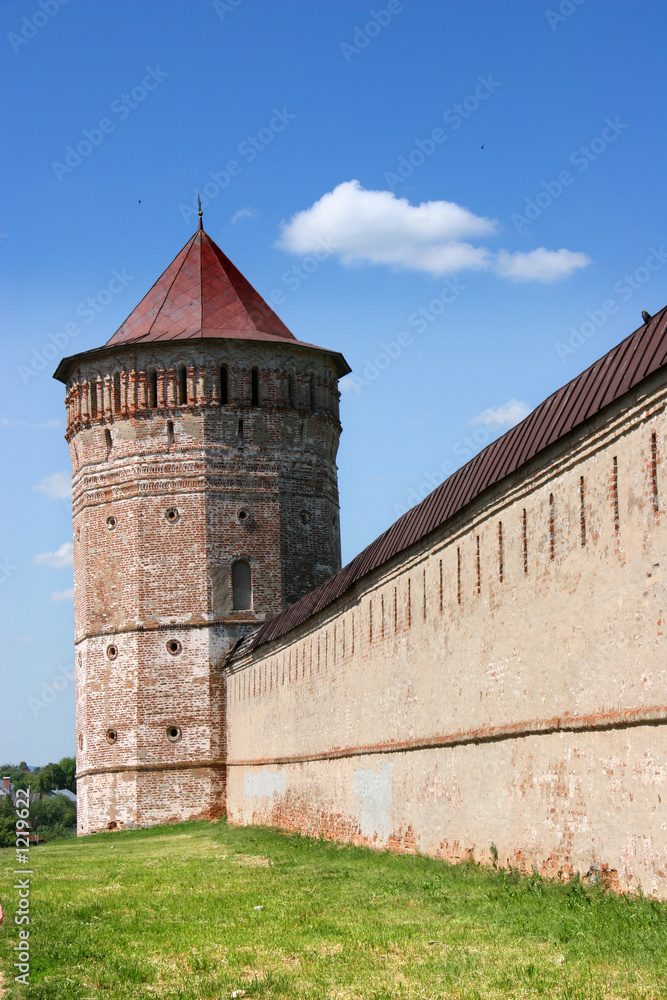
(116, 393)
(182, 386)
(479, 569)
(458, 574)
(224, 386)
(501, 552)
(614, 490)
(152, 390)
(654, 473)
(582, 510)
(552, 528)
(524, 539)
(241, 585)
(254, 387)
(239, 434)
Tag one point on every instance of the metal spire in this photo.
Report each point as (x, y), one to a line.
(201, 214)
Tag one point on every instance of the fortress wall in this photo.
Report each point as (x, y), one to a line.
(503, 682)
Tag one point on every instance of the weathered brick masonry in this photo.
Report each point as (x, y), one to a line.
(196, 456)
(502, 681)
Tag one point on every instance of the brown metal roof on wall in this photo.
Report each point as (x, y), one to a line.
(621, 369)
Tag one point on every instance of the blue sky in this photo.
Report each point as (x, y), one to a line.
(508, 161)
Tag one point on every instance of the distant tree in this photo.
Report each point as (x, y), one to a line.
(42, 779)
(7, 823)
(68, 765)
(23, 766)
(50, 777)
(53, 817)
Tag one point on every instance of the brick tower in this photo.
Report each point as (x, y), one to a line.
(203, 439)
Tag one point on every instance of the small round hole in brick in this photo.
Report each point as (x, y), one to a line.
(112, 651)
(171, 515)
(305, 517)
(243, 514)
(173, 733)
(112, 736)
(111, 522)
(174, 647)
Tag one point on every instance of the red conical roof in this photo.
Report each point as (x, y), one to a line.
(201, 294)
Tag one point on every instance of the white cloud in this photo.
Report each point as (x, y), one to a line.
(60, 559)
(63, 595)
(376, 227)
(503, 416)
(539, 265)
(23, 638)
(244, 213)
(58, 486)
(51, 425)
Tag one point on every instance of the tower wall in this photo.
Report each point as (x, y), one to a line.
(172, 485)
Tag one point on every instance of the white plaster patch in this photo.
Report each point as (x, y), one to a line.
(374, 791)
(264, 784)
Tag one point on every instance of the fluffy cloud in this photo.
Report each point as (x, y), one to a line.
(501, 417)
(58, 486)
(60, 559)
(376, 227)
(539, 265)
(63, 595)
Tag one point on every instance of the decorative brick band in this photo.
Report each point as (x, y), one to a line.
(179, 765)
(240, 618)
(540, 727)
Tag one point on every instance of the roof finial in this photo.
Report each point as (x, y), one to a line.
(201, 225)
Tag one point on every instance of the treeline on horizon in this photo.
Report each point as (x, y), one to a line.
(50, 816)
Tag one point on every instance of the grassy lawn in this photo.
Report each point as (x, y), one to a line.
(171, 912)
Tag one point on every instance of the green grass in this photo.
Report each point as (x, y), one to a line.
(169, 912)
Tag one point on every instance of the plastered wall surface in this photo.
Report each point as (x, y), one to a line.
(503, 682)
